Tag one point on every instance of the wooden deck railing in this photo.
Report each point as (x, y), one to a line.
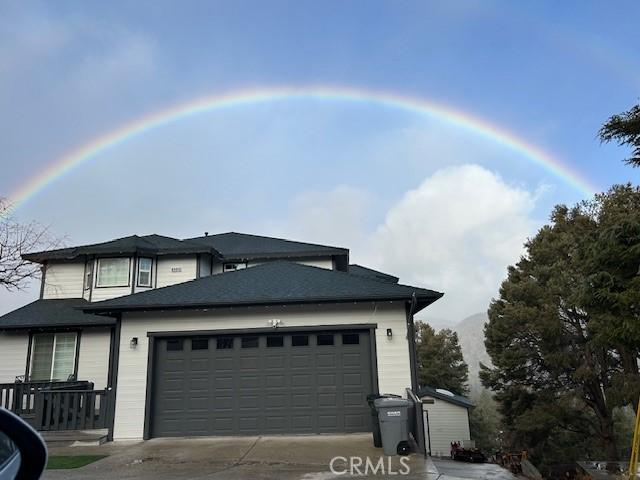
(19, 397)
(28, 399)
(72, 409)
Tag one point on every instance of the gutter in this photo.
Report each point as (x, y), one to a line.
(107, 310)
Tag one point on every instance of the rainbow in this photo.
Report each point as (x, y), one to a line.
(240, 98)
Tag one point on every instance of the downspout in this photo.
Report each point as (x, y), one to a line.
(411, 337)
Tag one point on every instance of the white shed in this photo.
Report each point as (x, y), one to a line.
(446, 420)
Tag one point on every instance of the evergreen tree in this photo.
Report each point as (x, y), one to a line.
(564, 333)
(624, 128)
(440, 361)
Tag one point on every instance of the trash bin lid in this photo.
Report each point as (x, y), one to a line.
(385, 402)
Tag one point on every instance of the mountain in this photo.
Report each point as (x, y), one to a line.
(471, 337)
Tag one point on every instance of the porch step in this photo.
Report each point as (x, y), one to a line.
(75, 438)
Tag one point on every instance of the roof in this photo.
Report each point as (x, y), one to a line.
(233, 245)
(145, 245)
(356, 269)
(228, 246)
(52, 313)
(455, 399)
(278, 282)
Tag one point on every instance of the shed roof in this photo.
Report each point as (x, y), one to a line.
(453, 398)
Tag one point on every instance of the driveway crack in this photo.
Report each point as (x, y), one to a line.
(239, 461)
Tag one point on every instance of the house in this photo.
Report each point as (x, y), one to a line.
(446, 420)
(227, 334)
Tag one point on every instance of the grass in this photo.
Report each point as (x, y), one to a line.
(58, 462)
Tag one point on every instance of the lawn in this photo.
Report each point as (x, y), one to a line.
(57, 462)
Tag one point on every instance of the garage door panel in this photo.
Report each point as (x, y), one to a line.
(276, 401)
(300, 360)
(276, 383)
(353, 399)
(353, 379)
(275, 362)
(327, 400)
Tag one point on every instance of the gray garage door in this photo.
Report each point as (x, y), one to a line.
(259, 384)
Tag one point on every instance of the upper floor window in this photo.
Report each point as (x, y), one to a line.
(113, 272)
(53, 356)
(230, 267)
(144, 272)
(88, 275)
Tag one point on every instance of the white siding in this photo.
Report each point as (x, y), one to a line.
(447, 423)
(93, 362)
(13, 355)
(64, 280)
(172, 270)
(392, 353)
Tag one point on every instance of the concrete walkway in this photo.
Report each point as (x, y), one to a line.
(319, 457)
(452, 470)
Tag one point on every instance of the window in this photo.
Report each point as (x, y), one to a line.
(325, 339)
(53, 356)
(144, 272)
(224, 343)
(350, 339)
(174, 345)
(230, 267)
(200, 344)
(299, 340)
(113, 272)
(88, 274)
(249, 342)
(275, 341)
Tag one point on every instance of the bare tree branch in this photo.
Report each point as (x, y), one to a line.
(16, 239)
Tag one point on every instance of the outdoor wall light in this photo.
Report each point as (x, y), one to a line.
(134, 342)
(389, 333)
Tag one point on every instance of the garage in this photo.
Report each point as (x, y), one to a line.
(260, 383)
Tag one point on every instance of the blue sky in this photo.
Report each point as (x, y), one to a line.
(434, 204)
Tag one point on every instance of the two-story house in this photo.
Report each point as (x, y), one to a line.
(227, 334)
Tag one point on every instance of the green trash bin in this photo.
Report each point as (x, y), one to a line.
(393, 415)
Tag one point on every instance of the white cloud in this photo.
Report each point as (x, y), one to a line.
(456, 232)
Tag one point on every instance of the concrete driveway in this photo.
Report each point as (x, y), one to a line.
(281, 457)
(477, 471)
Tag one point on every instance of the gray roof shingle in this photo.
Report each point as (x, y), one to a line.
(228, 246)
(278, 282)
(356, 269)
(233, 245)
(145, 245)
(52, 313)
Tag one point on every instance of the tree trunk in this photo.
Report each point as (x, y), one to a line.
(608, 437)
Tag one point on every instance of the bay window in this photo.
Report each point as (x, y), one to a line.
(113, 272)
(53, 356)
(144, 272)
